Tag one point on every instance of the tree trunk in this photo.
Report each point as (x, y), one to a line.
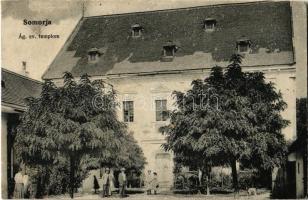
(234, 176)
(200, 177)
(72, 176)
(207, 185)
(200, 173)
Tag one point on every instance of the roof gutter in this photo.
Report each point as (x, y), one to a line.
(166, 72)
(12, 108)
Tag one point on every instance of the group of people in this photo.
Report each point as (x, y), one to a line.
(151, 183)
(22, 185)
(108, 180)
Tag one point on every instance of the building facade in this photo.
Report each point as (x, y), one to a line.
(148, 55)
(14, 89)
(296, 169)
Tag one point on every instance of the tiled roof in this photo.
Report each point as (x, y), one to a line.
(15, 88)
(266, 24)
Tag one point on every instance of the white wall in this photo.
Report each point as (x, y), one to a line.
(144, 90)
(300, 45)
(285, 82)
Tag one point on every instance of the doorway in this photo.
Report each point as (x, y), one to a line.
(164, 169)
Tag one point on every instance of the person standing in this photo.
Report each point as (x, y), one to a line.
(95, 184)
(19, 186)
(122, 182)
(148, 182)
(32, 187)
(155, 185)
(26, 184)
(107, 182)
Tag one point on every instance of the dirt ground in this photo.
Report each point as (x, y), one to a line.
(265, 195)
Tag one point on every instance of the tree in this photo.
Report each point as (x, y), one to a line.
(230, 117)
(73, 122)
(130, 156)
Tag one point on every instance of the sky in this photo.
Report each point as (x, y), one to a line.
(38, 53)
(64, 15)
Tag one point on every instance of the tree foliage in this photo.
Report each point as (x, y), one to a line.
(78, 122)
(231, 116)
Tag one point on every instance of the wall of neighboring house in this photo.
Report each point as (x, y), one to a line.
(299, 21)
(299, 15)
(4, 185)
(9, 122)
(299, 175)
(295, 179)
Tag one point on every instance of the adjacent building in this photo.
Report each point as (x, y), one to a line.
(148, 55)
(15, 88)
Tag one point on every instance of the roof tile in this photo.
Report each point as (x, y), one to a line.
(17, 88)
(266, 24)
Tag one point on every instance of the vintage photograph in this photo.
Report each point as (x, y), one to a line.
(154, 99)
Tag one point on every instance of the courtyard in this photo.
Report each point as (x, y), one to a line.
(179, 101)
(263, 195)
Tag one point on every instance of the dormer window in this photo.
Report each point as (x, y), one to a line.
(93, 55)
(2, 84)
(243, 45)
(136, 30)
(209, 24)
(169, 50)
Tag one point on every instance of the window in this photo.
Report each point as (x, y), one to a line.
(161, 110)
(169, 50)
(136, 30)
(2, 84)
(128, 111)
(92, 57)
(243, 45)
(94, 54)
(209, 24)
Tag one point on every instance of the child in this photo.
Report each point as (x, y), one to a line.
(148, 182)
(96, 185)
(155, 185)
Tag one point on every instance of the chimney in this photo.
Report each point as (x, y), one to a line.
(24, 69)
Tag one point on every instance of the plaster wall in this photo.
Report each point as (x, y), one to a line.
(4, 186)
